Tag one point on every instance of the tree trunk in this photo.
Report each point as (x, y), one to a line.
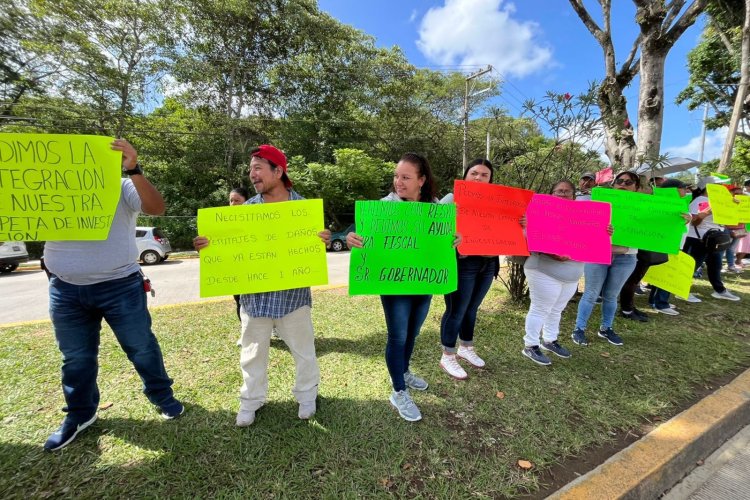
(651, 100)
(742, 91)
(619, 145)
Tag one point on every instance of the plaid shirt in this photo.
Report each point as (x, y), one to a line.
(275, 304)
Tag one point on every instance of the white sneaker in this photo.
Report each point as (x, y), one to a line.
(468, 353)
(726, 295)
(306, 410)
(668, 311)
(692, 299)
(245, 418)
(449, 363)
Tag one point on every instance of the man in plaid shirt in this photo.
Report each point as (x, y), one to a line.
(286, 310)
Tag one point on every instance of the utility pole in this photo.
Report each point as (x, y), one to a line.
(703, 131)
(466, 111)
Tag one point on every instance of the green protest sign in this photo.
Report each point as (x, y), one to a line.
(262, 248)
(644, 221)
(57, 187)
(407, 249)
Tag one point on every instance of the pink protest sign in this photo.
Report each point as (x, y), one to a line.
(575, 229)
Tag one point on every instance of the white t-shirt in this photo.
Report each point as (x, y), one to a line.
(706, 224)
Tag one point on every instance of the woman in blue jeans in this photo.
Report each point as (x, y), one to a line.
(475, 275)
(405, 314)
(607, 280)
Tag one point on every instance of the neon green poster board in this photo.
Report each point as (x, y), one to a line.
(408, 249)
(674, 276)
(57, 187)
(645, 221)
(262, 248)
(723, 207)
(743, 209)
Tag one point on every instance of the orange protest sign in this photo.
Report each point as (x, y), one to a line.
(487, 216)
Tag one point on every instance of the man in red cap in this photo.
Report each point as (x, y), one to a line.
(287, 310)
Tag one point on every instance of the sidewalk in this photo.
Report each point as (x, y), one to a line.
(662, 458)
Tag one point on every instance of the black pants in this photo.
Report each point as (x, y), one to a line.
(627, 294)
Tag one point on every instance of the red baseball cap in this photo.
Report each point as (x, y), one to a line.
(275, 156)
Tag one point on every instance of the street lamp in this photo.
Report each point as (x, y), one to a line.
(466, 109)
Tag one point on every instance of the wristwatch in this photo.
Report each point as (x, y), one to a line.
(134, 171)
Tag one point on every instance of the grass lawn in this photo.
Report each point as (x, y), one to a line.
(468, 443)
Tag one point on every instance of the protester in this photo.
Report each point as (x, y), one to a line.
(707, 241)
(552, 280)
(607, 279)
(586, 183)
(475, 275)
(95, 280)
(238, 196)
(405, 314)
(288, 311)
(737, 232)
(644, 260)
(658, 299)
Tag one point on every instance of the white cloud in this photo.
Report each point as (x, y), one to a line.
(712, 149)
(480, 32)
(413, 16)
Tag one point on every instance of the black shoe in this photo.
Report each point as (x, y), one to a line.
(640, 291)
(611, 336)
(66, 433)
(635, 315)
(599, 299)
(172, 410)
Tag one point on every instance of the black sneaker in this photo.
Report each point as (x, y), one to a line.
(599, 299)
(635, 315)
(66, 433)
(640, 291)
(535, 355)
(172, 410)
(555, 347)
(579, 337)
(611, 336)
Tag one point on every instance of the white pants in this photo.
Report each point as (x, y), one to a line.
(548, 299)
(296, 330)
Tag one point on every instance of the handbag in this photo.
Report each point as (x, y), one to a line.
(715, 240)
(652, 258)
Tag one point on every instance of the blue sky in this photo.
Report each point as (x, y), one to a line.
(536, 45)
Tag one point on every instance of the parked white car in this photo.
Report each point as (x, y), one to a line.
(153, 245)
(12, 253)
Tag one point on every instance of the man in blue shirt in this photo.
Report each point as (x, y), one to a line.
(286, 310)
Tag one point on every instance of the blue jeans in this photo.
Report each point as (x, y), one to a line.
(697, 250)
(77, 312)
(606, 280)
(659, 298)
(404, 316)
(475, 275)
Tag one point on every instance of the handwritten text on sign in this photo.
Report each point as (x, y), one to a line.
(57, 187)
(487, 218)
(262, 248)
(724, 208)
(674, 276)
(645, 221)
(407, 249)
(575, 229)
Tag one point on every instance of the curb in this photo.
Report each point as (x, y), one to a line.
(659, 460)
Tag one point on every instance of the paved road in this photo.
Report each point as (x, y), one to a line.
(724, 475)
(23, 294)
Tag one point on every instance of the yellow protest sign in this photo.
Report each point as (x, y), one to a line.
(723, 207)
(262, 248)
(743, 209)
(674, 276)
(57, 187)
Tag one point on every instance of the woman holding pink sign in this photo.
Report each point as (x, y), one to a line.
(552, 280)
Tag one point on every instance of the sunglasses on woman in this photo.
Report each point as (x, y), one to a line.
(626, 182)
